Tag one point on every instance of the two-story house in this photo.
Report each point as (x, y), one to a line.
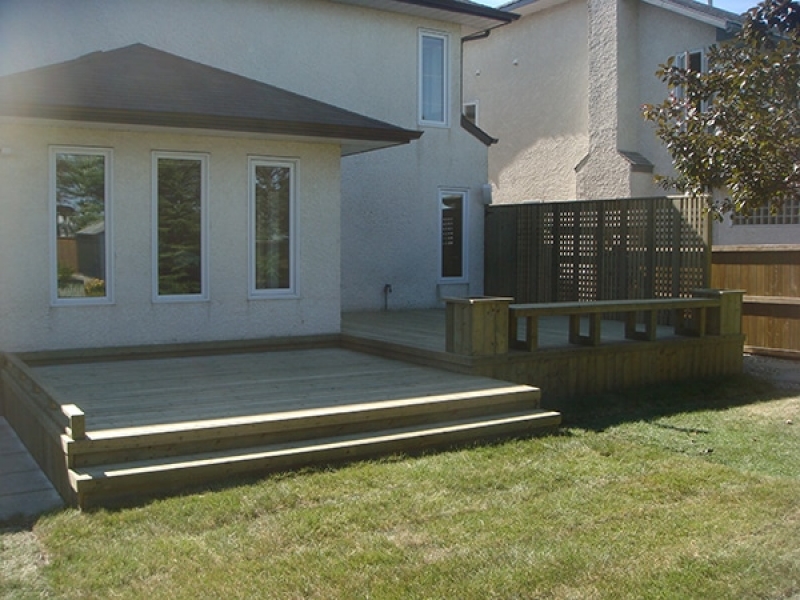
(563, 87)
(175, 171)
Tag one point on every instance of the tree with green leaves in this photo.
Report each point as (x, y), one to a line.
(736, 127)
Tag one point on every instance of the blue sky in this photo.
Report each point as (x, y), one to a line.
(735, 6)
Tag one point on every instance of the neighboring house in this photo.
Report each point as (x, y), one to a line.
(562, 88)
(176, 171)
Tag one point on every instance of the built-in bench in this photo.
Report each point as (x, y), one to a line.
(691, 317)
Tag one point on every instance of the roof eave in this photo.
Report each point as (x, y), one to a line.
(352, 139)
(467, 14)
(718, 21)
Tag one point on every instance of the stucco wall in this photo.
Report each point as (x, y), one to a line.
(358, 59)
(530, 79)
(29, 322)
(663, 34)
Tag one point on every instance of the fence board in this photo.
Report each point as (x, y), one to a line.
(770, 276)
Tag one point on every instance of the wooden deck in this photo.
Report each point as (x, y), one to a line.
(107, 431)
(110, 424)
(559, 367)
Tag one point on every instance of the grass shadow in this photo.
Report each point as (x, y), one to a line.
(648, 403)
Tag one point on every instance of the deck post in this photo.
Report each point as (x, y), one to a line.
(477, 326)
(727, 319)
(77, 421)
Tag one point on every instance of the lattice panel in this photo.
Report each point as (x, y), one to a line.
(606, 250)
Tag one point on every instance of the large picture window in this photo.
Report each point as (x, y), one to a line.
(433, 79)
(179, 226)
(80, 225)
(272, 234)
(453, 220)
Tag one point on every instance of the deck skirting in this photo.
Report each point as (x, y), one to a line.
(568, 373)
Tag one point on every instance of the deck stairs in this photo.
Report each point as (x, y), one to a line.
(117, 465)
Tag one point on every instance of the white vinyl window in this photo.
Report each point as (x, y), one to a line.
(471, 112)
(434, 79)
(80, 225)
(180, 226)
(453, 238)
(693, 60)
(272, 232)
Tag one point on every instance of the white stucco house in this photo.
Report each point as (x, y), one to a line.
(175, 171)
(562, 89)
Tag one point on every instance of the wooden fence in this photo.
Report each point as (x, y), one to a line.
(770, 276)
(597, 249)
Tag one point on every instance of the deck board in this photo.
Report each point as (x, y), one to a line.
(148, 392)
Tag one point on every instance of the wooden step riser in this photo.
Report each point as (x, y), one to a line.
(121, 487)
(147, 446)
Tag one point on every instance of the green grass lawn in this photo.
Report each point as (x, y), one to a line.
(689, 491)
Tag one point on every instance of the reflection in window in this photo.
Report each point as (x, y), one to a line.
(272, 265)
(81, 197)
(180, 224)
(452, 208)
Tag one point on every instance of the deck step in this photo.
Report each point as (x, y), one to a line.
(109, 483)
(194, 437)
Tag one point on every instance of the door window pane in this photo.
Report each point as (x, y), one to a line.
(452, 222)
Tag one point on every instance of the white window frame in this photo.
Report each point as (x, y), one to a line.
(203, 158)
(445, 38)
(681, 61)
(108, 155)
(292, 290)
(474, 104)
(464, 193)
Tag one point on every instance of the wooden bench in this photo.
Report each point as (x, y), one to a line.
(696, 325)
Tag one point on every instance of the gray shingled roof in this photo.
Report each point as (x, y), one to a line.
(139, 85)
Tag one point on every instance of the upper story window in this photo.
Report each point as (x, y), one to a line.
(433, 79)
(80, 224)
(693, 60)
(179, 226)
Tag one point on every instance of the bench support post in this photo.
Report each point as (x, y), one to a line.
(727, 319)
(650, 325)
(593, 339)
